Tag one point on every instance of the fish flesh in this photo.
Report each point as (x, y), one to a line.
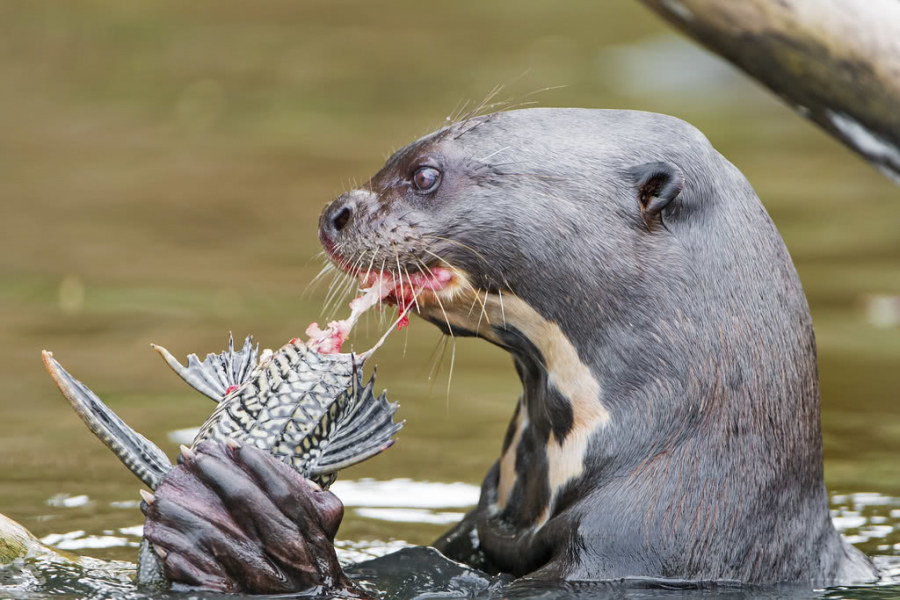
(305, 403)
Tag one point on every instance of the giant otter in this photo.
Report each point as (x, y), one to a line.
(669, 420)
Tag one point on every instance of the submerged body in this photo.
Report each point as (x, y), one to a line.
(669, 420)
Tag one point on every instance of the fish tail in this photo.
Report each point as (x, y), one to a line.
(140, 455)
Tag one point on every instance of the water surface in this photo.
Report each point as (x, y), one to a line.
(162, 166)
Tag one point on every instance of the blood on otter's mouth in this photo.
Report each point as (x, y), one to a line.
(408, 290)
(378, 287)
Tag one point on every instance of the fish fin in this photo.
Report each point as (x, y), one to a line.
(218, 373)
(136, 452)
(365, 428)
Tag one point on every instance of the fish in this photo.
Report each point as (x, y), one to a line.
(308, 409)
(305, 404)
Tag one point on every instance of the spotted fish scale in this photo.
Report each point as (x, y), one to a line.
(289, 406)
(308, 409)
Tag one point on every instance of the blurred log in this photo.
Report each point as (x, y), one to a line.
(837, 62)
(16, 542)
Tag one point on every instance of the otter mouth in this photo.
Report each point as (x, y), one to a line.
(423, 283)
(405, 289)
(409, 289)
(412, 291)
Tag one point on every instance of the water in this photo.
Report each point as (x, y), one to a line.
(162, 169)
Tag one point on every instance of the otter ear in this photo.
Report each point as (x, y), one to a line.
(658, 183)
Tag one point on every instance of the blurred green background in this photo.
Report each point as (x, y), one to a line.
(162, 167)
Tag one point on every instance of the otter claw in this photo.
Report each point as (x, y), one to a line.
(147, 496)
(232, 443)
(188, 454)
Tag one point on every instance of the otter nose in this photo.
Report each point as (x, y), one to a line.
(336, 216)
(339, 220)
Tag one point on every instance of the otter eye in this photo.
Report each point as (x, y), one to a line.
(426, 179)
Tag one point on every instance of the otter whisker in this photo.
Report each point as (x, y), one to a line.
(423, 266)
(437, 296)
(400, 274)
(484, 311)
(541, 176)
(332, 301)
(415, 296)
(548, 88)
(473, 251)
(483, 314)
(494, 153)
(458, 243)
(337, 276)
(477, 299)
(476, 110)
(386, 333)
(366, 277)
(479, 122)
(504, 164)
(453, 117)
(343, 289)
(368, 270)
(472, 306)
(435, 365)
(405, 342)
(357, 267)
(440, 259)
(466, 113)
(327, 268)
(321, 255)
(350, 288)
(446, 318)
(523, 102)
(336, 283)
(450, 374)
(381, 300)
(333, 291)
(427, 268)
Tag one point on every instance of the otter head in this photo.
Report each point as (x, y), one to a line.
(544, 231)
(504, 207)
(648, 301)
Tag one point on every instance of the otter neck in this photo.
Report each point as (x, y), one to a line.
(560, 409)
(558, 413)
